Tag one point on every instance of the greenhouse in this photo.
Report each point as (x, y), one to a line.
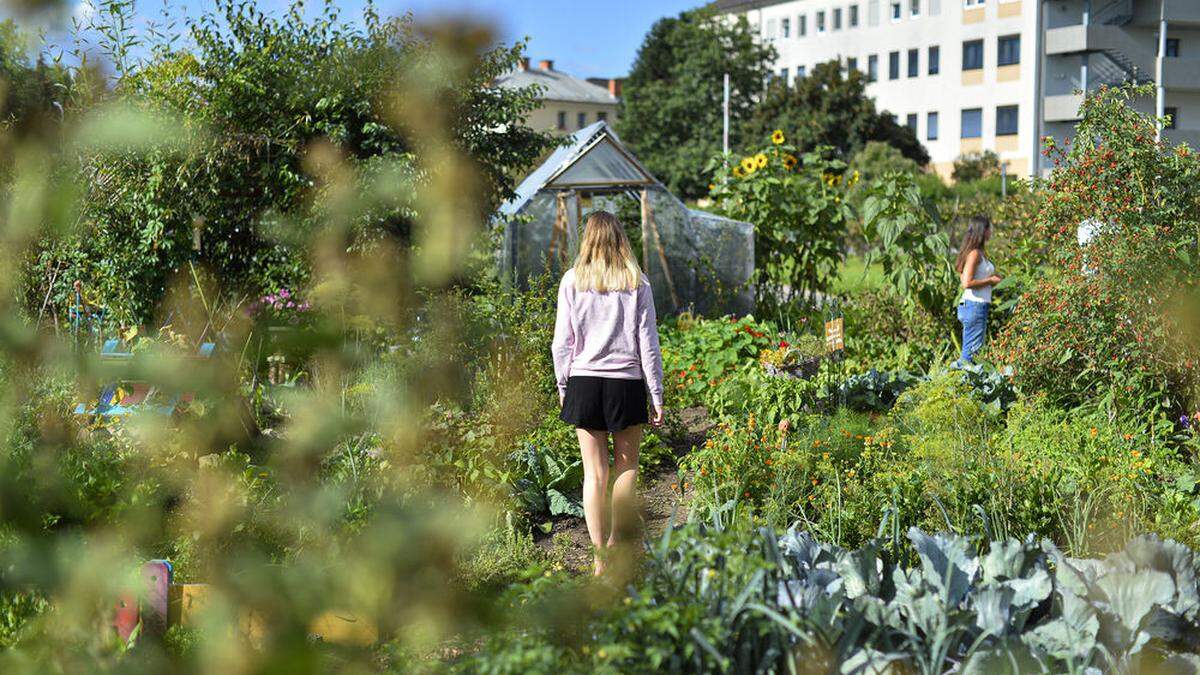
(695, 260)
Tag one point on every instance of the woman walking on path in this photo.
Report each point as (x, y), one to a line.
(978, 276)
(606, 357)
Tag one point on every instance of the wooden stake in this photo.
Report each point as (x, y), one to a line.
(560, 228)
(578, 214)
(648, 220)
(646, 231)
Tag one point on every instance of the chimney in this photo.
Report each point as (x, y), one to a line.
(613, 85)
(524, 63)
(546, 64)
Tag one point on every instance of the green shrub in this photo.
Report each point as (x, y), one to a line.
(1103, 320)
(503, 556)
(238, 187)
(879, 336)
(945, 459)
(699, 353)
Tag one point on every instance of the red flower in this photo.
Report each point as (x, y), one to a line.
(783, 344)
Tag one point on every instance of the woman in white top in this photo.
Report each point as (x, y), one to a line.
(977, 275)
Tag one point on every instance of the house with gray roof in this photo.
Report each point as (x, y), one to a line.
(569, 103)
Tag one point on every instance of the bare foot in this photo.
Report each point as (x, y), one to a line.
(598, 567)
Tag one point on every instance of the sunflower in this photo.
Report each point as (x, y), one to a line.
(737, 172)
(760, 161)
(777, 137)
(749, 164)
(789, 162)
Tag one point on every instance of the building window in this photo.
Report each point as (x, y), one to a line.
(974, 3)
(872, 12)
(821, 21)
(911, 122)
(837, 18)
(894, 66)
(914, 66)
(785, 28)
(801, 25)
(602, 116)
(771, 29)
(1006, 120)
(1172, 48)
(915, 8)
(972, 55)
(562, 120)
(851, 64)
(935, 58)
(896, 12)
(872, 68)
(1173, 113)
(1008, 50)
(854, 16)
(783, 75)
(801, 71)
(972, 123)
(931, 126)
(582, 120)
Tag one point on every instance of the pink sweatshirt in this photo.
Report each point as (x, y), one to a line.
(612, 334)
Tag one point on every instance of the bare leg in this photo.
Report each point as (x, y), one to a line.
(593, 445)
(624, 491)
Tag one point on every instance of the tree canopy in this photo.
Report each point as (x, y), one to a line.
(671, 109)
(829, 107)
(671, 112)
(260, 103)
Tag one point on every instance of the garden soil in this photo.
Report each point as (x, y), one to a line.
(658, 489)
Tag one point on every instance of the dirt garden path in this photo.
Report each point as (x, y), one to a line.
(658, 489)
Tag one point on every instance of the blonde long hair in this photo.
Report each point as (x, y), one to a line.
(606, 261)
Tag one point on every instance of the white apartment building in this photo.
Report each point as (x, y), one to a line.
(974, 75)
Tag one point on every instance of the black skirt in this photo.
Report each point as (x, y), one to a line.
(604, 403)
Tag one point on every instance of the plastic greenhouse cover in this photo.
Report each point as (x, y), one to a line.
(709, 260)
(603, 164)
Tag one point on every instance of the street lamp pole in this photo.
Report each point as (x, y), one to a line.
(725, 108)
(1160, 102)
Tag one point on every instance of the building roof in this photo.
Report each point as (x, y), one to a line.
(591, 156)
(744, 5)
(557, 86)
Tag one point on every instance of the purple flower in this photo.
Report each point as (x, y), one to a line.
(284, 293)
(1185, 421)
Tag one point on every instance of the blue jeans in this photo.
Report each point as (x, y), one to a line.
(973, 317)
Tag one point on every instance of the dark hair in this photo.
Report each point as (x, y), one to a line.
(972, 239)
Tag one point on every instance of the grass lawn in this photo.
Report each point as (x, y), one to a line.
(856, 276)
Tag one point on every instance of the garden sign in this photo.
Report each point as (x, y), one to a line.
(835, 335)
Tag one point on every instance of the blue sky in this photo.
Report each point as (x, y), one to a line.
(584, 38)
